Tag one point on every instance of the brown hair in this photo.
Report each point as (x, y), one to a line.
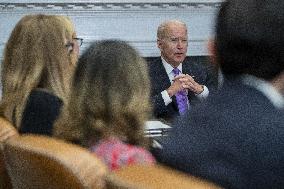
(109, 96)
(36, 57)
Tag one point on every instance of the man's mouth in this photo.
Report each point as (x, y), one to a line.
(179, 54)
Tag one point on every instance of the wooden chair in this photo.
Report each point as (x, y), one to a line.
(7, 130)
(43, 162)
(155, 177)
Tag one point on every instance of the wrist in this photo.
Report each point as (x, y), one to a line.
(170, 92)
(201, 89)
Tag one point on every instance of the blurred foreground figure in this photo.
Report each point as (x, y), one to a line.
(39, 60)
(236, 138)
(109, 105)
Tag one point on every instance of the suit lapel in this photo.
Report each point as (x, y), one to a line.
(186, 68)
(162, 74)
(166, 82)
(160, 79)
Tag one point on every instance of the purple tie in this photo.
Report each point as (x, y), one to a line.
(181, 97)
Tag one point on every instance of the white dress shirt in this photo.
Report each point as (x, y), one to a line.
(275, 97)
(169, 69)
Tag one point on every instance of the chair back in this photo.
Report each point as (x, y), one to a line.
(44, 162)
(7, 130)
(155, 177)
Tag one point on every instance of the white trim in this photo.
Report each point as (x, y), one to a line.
(134, 21)
(266, 89)
(112, 1)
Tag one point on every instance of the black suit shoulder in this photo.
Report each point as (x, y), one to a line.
(231, 138)
(160, 82)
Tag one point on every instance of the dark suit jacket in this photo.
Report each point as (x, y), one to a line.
(160, 82)
(235, 139)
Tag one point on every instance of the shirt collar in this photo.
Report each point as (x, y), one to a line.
(275, 97)
(169, 68)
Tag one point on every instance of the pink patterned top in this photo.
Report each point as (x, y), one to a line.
(116, 153)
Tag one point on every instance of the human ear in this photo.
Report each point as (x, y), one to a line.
(211, 47)
(159, 43)
(70, 48)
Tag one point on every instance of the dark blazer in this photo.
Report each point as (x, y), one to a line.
(159, 82)
(235, 139)
(41, 110)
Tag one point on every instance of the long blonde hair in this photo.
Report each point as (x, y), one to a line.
(35, 56)
(109, 95)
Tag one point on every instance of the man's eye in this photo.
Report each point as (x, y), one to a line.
(174, 40)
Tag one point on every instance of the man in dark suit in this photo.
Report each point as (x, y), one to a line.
(192, 79)
(236, 138)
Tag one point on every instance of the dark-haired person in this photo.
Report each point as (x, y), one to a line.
(107, 111)
(236, 138)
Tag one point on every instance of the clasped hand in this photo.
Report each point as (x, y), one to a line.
(184, 82)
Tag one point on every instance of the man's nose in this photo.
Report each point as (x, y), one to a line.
(180, 44)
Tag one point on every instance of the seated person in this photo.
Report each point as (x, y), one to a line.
(109, 104)
(236, 138)
(39, 60)
(177, 84)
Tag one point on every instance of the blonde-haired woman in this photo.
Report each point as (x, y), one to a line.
(39, 60)
(109, 104)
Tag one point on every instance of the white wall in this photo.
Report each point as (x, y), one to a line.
(135, 21)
